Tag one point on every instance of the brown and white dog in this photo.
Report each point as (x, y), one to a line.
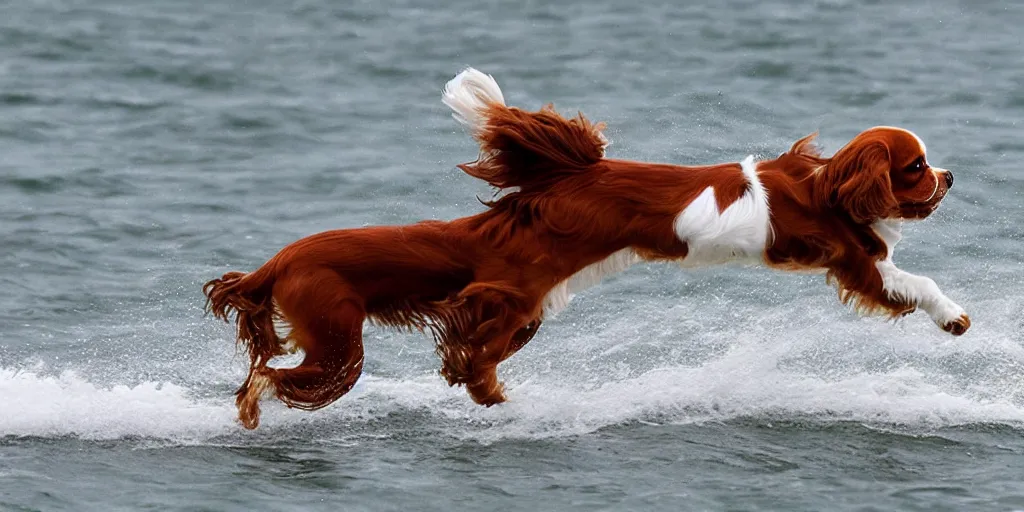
(570, 216)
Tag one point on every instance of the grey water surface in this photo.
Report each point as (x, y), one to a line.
(146, 147)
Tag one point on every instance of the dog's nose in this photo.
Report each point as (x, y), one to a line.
(949, 179)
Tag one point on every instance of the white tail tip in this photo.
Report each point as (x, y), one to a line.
(469, 94)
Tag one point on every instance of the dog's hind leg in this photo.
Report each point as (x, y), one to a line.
(327, 322)
(333, 363)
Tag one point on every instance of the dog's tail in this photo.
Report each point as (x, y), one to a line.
(519, 148)
(250, 297)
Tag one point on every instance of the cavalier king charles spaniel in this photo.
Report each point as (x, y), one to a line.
(569, 216)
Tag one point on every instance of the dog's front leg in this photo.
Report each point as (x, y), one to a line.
(502, 319)
(484, 387)
(925, 294)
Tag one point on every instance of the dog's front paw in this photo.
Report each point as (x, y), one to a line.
(489, 401)
(957, 326)
(950, 317)
(487, 391)
(494, 397)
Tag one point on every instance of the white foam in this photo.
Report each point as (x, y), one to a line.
(839, 368)
(748, 381)
(575, 380)
(36, 404)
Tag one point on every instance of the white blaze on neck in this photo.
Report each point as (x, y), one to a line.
(891, 232)
(741, 232)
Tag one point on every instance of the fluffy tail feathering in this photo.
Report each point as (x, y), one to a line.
(519, 148)
(249, 296)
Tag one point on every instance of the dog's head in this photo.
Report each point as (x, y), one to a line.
(883, 173)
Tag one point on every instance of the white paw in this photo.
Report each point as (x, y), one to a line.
(951, 318)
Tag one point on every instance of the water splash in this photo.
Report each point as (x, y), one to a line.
(748, 361)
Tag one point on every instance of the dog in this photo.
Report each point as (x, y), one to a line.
(568, 216)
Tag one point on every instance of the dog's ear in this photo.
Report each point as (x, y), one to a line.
(807, 146)
(856, 180)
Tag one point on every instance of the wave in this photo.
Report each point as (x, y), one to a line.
(748, 381)
(36, 404)
(689, 363)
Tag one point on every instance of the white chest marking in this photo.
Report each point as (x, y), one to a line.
(919, 290)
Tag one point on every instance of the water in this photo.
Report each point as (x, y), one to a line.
(149, 147)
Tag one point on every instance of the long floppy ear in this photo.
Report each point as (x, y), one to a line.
(857, 180)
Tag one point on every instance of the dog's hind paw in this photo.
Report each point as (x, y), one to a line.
(248, 400)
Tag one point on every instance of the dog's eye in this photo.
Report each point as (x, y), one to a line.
(917, 166)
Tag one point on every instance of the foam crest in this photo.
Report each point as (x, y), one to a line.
(865, 371)
(909, 375)
(742, 384)
(745, 383)
(36, 404)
